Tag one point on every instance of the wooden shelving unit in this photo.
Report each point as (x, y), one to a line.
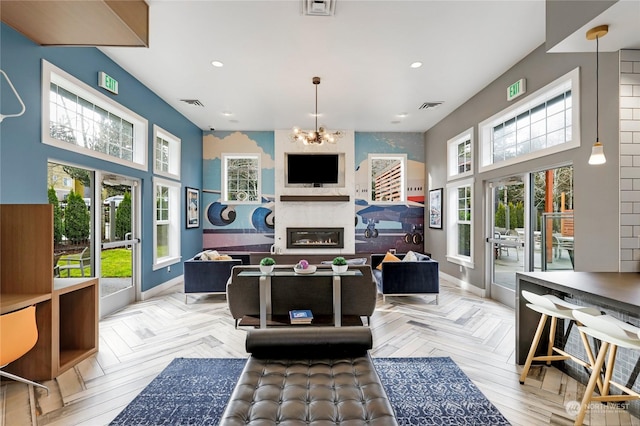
(66, 309)
(317, 198)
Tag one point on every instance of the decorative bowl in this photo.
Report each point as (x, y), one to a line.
(310, 270)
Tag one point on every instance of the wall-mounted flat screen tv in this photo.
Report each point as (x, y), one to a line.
(314, 169)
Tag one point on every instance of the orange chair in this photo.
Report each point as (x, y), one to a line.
(18, 335)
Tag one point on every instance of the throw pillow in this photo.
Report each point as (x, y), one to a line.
(410, 257)
(388, 258)
(209, 255)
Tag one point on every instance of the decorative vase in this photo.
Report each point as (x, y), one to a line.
(266, 269)
(338, 269)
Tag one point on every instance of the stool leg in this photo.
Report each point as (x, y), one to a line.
(552, 338)
(588, 393)
(532, 349)
(590, 357)
(609, 373)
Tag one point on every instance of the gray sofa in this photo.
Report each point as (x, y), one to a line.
(315, 293)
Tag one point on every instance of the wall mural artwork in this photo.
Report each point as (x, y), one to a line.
(243, 226)
(237, 226)
(384, 226)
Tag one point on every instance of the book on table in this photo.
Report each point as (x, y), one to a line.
(300, 316)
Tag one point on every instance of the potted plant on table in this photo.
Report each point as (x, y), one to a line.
(339, 265)
(266, 265)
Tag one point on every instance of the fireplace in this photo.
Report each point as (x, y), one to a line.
(321, 238)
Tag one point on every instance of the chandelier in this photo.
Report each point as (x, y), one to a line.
(320, 135)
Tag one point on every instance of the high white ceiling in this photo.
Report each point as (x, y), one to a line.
(363, 53)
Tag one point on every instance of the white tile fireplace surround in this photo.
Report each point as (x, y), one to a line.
(313, 207)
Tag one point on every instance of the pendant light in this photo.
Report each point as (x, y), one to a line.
(597, 151)
(320, 135)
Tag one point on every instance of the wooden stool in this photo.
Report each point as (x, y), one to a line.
(612, 333)
(553, 307)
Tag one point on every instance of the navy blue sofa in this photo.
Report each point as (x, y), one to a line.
(210, 276)
(406, 278)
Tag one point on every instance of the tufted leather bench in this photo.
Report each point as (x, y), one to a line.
(309, 376)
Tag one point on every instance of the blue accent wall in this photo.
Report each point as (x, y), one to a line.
(23, 157)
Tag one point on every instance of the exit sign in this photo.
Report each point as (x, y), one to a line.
(107, 82)
(516, 89)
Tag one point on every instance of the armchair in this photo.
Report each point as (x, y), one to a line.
(79, 261)
(405, 278)
(19, 335)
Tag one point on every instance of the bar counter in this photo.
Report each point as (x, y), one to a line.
(613, 293)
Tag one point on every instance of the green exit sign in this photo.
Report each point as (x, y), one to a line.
(107, 82)
(516, 89)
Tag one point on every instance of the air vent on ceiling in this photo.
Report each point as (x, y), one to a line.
(318, 7)
(193, 102)
(430, 105)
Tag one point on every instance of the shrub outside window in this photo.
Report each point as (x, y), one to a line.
(545, 122)
(166, 230)
(78, 118)
(460, 222)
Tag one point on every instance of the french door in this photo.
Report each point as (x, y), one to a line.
(529, 227)
(118, 201)
(506, 235)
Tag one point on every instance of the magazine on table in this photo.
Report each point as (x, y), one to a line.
(300, 316)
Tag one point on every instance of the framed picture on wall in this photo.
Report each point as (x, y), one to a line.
(435, 208)
(193, 208)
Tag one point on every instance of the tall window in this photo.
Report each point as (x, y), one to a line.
(388, 178)
(77, 117)
(460, 155)
(241, 178)
(166, 236)
(166, 153)
(543, 123)
(460, 222)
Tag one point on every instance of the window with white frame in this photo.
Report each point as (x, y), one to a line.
(460, 155)
(166, 224)
(544, 122)
(460, 222)
(241, 178)
(77, 117)
(388, 178)
(166, 153)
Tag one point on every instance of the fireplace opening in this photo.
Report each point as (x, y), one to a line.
(328, 238)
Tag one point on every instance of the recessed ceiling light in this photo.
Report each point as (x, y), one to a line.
(403, 115)
(416, 64)
(217, 64)
(227, 113)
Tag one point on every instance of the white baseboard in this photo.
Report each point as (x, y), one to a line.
(464, 285)
(163, 288)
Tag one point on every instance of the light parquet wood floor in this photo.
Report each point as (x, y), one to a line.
(139, 341)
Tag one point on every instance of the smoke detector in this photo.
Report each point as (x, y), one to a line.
(318, 7)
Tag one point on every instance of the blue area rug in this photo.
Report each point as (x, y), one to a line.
(422, 391)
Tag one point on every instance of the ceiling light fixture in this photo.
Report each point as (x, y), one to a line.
(416, 64)
(597, 151)
(217, 64)
(320, 135)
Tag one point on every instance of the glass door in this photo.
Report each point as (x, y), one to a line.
(119, 243)
(506, 236)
